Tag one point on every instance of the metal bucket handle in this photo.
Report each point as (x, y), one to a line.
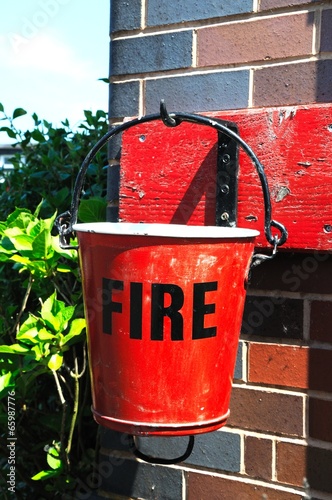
(161, 461)
(64, 222)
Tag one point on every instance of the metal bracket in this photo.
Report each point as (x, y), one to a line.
(227, 177)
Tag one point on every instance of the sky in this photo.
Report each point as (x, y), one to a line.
(52, 53)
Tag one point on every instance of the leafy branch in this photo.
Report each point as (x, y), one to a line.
(42, 325)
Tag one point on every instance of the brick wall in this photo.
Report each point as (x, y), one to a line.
(204, 56)
(201, 57)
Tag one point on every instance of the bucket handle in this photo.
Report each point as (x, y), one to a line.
(64, 222)
(161, 461)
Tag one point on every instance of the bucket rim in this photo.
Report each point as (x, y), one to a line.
(165, 230)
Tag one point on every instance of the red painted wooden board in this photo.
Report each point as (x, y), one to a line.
(168, 174)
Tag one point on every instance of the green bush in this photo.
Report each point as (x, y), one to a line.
(44, 381)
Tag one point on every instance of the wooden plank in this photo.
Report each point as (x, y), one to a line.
(169, 174)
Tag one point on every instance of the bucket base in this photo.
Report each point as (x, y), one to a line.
(157, 429)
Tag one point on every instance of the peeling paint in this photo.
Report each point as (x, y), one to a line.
(251, 218)
(285, 114)
(304, 163)
(282, 192)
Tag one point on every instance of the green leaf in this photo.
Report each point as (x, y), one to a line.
(38, 352)
(88, 116)
(5, 381)
(48, 223)
(55, 361)
(37, 211)
(29, 329)
(76, 327)
(19, 112)
(61, 268)
(92, 210)
(100, 113)
(21, 217)
(35, 118)
(69, 254)
(45, 474)
(9, 132)
(44, 334)
(2, 109)
(13, 349)
(48, 312)
(42, 245)
(21, 241)
(29, 336)
(53, 458)
(24, 261)
(37, 136)
(106, 80)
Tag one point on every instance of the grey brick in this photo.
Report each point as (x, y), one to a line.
(125, 15)
(238, 372)
(163, 447)
(173, 11)
(326, 39)
(217, 450)
(139, 480)
(324, 81)
(113, 180)
(123, 99)
(151, 53)
(294, 272)
(276, 317)
(208, 92)
(214, 450)
(114, 440)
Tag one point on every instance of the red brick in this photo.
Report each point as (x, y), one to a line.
(300, 83)
(201, 487)
(258, 40)
(290, 366)
(258, 457)
(321, 321)
(298, 465)
(274, 412)
(276, 364)
(320, 419)
(275, 4)
(291, 463)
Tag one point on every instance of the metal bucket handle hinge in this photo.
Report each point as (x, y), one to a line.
(161, 461)
(64, 222)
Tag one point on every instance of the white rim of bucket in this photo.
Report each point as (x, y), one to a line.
(166, 230)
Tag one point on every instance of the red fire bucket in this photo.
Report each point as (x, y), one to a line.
(164, 306)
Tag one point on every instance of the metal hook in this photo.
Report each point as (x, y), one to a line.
(274, 239)
(167, 119)
(259, 258)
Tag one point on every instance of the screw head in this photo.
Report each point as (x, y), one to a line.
(224, 189)
(224, 216)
